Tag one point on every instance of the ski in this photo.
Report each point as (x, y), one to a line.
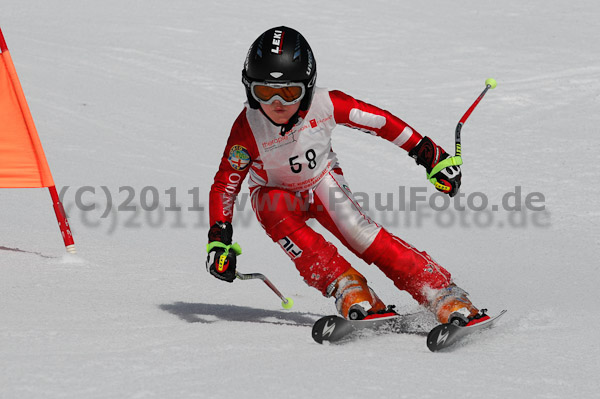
(446, 335)
(336, 329)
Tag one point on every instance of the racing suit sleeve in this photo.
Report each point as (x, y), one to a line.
(234, 166)
(357, 114)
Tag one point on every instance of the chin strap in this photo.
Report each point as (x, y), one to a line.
(288, 126)
(285, 128)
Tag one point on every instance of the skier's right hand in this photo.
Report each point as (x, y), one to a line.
(221, 260)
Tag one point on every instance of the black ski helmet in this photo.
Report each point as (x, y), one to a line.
(280, 55)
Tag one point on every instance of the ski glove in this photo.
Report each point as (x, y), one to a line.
(222, 232)
(443, 171)
(222, 254)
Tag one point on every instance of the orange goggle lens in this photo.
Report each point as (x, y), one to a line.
(289, 94)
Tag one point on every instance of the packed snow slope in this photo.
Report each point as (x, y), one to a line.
(133, 101)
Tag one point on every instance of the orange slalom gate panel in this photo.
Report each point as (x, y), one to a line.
(23, 163)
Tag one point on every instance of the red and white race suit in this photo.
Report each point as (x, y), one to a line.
(296, 177)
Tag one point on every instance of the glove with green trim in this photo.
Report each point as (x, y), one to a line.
(222, 254)
(443, 171)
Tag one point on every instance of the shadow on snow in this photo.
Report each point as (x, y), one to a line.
(210, 313)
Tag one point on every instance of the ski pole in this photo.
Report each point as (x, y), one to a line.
(489, 84)
(457, 159)
(286, 303)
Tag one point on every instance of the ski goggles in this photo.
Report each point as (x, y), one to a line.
(286, 93)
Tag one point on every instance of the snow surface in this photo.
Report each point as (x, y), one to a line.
(142, 94)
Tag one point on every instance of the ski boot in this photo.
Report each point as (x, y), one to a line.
(354, 299)
(451, 305)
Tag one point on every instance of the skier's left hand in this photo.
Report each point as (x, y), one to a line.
(429, 154)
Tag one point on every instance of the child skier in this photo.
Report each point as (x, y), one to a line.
(282, 139)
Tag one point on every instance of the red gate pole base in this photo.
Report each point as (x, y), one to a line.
(63, 222)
